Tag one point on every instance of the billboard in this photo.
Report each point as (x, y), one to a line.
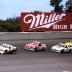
(45, 21)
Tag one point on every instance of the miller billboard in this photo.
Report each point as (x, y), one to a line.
(45, 21)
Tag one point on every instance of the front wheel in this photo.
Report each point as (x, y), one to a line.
(35, 49)
(70, 50)
(4, 52)
(43, 49)
(61, 51)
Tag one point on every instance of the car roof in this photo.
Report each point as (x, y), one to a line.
(7, 44)
(35, 42)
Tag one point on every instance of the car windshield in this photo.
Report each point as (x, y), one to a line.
(34, 43)
(61, 45)
(4, 46)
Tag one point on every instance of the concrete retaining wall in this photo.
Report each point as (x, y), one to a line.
(34, 35)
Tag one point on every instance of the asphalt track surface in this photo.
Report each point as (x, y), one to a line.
(41, 61)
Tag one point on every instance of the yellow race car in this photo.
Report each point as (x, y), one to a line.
(69, 44)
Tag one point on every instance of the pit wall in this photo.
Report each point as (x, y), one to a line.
(34, 35)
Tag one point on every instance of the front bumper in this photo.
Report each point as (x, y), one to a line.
(55, 50)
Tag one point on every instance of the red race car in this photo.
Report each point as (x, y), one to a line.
(35, 46)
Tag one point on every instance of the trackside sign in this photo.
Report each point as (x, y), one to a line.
(46, 21)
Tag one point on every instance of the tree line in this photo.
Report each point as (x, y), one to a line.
(10, 25)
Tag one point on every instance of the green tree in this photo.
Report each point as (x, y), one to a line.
(10, 25)
(56, 5)
(68, 6)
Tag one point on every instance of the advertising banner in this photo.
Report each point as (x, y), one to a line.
(45, 21)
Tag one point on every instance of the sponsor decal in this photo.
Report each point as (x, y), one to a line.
(46, 21)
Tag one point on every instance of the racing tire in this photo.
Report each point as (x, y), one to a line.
(4, 52)
(61, 51)
(43, 49)
(70, 51)
(35, 49)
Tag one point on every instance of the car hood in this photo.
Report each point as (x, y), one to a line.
(2, 48)
(30, 45)
(57, 47)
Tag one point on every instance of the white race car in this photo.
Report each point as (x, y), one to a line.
(6, 48)
(61, 48)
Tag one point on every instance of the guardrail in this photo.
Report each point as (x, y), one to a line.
(34, 35)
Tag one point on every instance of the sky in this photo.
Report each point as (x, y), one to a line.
(13, 8)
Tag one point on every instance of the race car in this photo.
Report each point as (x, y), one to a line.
(7, 48)
(69, 44)
(60, 48)
(35, 46)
